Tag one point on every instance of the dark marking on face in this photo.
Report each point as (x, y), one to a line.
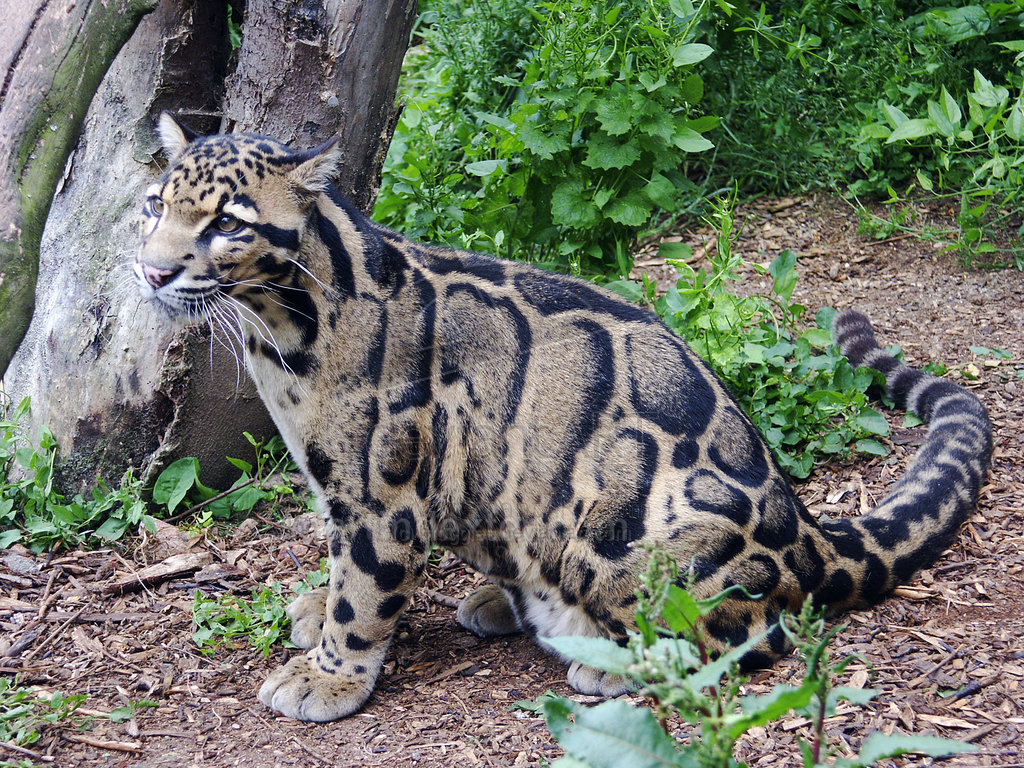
(341, 261)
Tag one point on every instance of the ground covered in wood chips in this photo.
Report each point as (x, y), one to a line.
(946, 653)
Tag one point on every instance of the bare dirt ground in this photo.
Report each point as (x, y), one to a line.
(946, 653)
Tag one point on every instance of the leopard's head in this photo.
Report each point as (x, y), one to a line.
(226, 220)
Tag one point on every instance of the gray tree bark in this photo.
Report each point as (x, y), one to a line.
(53, 56)
(114, 384)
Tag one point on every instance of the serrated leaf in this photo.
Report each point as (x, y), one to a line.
(598, 652)
(615, 113)
(570, 208)
(611, 735)
(604, 152)
(690, 53)
(632, 210)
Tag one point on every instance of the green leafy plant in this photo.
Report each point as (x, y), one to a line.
(34, 513)
(563, 153)
(670, 662)
(802, 394)
(179, 483)
(262, 620)
(25, 715)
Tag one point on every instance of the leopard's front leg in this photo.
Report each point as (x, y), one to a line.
(376, 563)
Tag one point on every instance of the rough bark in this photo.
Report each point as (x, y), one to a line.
(115, 385)
(54, 57)
(352, 51)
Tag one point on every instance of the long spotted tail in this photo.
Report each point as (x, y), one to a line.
(920, 518)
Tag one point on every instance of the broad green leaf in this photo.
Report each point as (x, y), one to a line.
(872, 447)
(924, 181)
(175, 481)
(678, 251)
(615, 112)
(543, 143)
(912, 129)
(605, 152)
(950, 108)
(690, 53)
(689, 140)
(942, 123)
(872, 421)
(632, 210)
(879, 746)
(896, 115)
(9, 537)
(1015, 122)
(693, 89)
(818, 338)
(661, 191)
(612, 735)
(783, 272)
(485, 167)
(627, 289)
(113, 528)
(570, 208)
(598, 652)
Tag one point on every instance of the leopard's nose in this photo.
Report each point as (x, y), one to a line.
(158, 277)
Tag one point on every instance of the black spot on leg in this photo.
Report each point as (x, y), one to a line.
(319, 463)
(355, 643)
(388, 575)
(343, 611)
(390, 606)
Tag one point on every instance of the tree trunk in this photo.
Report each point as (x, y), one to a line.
(54, 57)
(115, 385)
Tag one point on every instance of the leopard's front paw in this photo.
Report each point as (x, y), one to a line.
(307, 615)
(304, 690)
(594, 682)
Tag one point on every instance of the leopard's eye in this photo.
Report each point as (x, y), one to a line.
(156, 206)
(227, 223)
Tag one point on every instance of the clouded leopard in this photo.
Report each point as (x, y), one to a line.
(538, 426)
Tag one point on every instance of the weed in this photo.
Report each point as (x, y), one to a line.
(24, 714)
(802, 394)
(262, 619)
(34, 513)
(670, 662)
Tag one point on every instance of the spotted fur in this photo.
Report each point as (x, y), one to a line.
(540, 427)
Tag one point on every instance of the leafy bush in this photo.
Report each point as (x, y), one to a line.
(670, 663)
(555, 143)
(34, 513)
(802, 394)
(262, 619)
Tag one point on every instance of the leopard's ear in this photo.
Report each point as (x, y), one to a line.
(173, 135)
(315, 168)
